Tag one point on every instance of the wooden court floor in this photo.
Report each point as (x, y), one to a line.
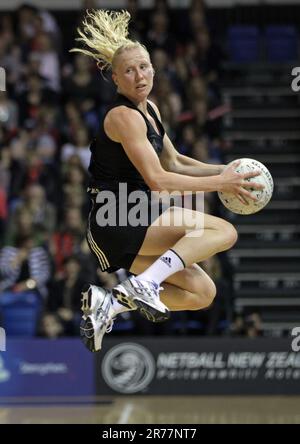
(153, 410)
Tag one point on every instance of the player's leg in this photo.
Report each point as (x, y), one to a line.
(188, 289)
(180, 237)
(182, 287)
(197, 238)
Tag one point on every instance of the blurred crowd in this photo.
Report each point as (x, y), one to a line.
(48, 115)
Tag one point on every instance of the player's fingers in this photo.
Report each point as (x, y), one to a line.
(242, 199)
(236, 164)
(253, 185)
(251, 174)
(239, 198)
(247, 194)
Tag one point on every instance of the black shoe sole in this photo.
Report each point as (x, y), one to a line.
(150, 313)
(145, 310)
(87, 334)
(124, 300)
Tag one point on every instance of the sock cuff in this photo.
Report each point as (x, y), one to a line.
(184, 266)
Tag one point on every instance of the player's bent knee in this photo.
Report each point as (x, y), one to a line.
(204, 297)
(208, 294)
(230, 235)
(201, 288)
(211, 294)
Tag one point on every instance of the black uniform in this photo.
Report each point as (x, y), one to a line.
(117, 245)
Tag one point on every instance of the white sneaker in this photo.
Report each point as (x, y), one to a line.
(97, 316)
(143, 296)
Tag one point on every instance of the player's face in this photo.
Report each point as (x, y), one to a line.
(133, 74)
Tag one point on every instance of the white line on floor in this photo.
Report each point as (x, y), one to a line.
(125, 415)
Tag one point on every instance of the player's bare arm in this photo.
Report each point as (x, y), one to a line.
(127, 127)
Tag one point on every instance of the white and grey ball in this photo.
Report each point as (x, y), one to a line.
(231, 202)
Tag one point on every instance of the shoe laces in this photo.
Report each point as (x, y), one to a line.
(150, 289)
(103, 315)
(110, 325)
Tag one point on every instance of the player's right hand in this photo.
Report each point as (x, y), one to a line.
(239, 183)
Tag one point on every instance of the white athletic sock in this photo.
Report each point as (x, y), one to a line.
(117, 307)
(169, 263)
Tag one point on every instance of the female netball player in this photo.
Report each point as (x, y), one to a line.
(132, 149)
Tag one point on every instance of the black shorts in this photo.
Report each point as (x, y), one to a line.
(117, 244)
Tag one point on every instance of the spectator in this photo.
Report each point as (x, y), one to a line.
(43, 213)
(8, 112)
(67, 241)
(64, 295)
(49, 61)
(80, 147)
(24, 267)
(158, 35)
(51, 326)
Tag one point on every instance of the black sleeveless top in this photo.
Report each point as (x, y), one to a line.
(110, 164)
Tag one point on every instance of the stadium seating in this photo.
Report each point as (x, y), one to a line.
(281, 43)
(243, 43)
(20, 313)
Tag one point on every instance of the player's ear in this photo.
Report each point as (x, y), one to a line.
(114, 77)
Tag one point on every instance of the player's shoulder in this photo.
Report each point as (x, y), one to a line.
(123, 115)
(155, 107)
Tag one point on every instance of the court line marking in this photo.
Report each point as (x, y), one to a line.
(125, 415)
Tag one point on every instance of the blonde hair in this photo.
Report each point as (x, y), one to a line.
(105, 35)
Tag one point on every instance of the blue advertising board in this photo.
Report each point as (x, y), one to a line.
(41, 367)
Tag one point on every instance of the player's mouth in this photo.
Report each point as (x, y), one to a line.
(141, 87)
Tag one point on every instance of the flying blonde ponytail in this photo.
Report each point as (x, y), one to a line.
(104, 35)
